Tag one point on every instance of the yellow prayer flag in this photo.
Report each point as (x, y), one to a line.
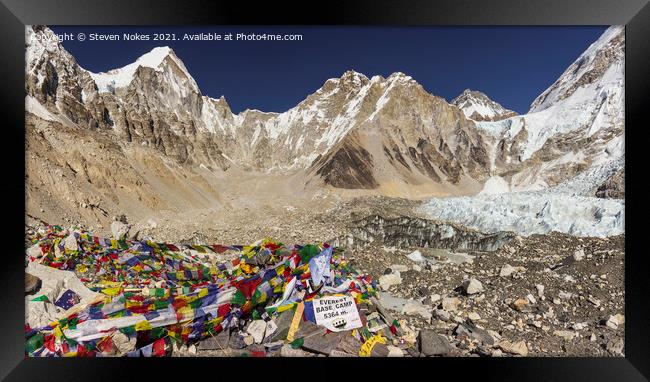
(282, 308)
(295, 322)
(143, 325)
(366, 348)
(111, 291)
(246, 268)
(57, 332)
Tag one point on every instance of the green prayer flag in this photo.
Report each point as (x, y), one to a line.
(238, 298)
(128, 330)
(307, 252)
(34, 342)
(158, 332)
(297, 343)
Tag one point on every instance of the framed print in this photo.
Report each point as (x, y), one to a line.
(205, 183)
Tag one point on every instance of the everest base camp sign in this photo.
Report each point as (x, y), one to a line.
(337, 313)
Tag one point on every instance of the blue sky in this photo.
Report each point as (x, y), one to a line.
(512, 65)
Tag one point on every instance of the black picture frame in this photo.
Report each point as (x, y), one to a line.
(15, 14)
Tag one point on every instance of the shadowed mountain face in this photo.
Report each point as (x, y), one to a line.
(152, 140)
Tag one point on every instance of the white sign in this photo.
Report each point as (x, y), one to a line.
(337, 313)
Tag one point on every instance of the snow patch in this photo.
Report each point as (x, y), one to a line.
(33, 106)
(495, 185)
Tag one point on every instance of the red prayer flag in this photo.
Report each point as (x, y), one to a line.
(248, 286)
(159, 348)
(219, 248)
(222, 310)
(105, 345)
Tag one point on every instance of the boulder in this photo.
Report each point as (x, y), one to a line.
(508, 270)
(475, 333)
(415, 307)
(323, 344)
(387, 281)
(567, 335)
(450, 304)
(119, 230)
(379, 350)
(579, 255)
(433, 344)
(520, 305)
(349, 345)
(283, 322)
(288, 351)
(236, 341)
(517, 348)
(54, 283)
(616, 346)
(398, 268)
(615, 321)
(442, 315)
(70, 243)
(472, 286)
(32, 284)
(394, 351)
(35, 251)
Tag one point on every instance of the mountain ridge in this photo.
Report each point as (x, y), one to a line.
(380, 135)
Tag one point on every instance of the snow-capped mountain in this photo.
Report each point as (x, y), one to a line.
(565, 154)
(388, 135)
(576, 124)
(160, 59)
(479, 107)
(404, 136)
(155, 102)
(600, 65)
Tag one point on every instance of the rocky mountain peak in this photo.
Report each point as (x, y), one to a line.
(478, 106)
(159, 59)
(399, 77)
(605, 54)
(352, 79)
(38, 39)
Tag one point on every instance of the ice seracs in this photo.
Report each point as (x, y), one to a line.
(531, 212)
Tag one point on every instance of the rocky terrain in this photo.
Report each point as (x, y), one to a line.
(545, 295)
(457, 291)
